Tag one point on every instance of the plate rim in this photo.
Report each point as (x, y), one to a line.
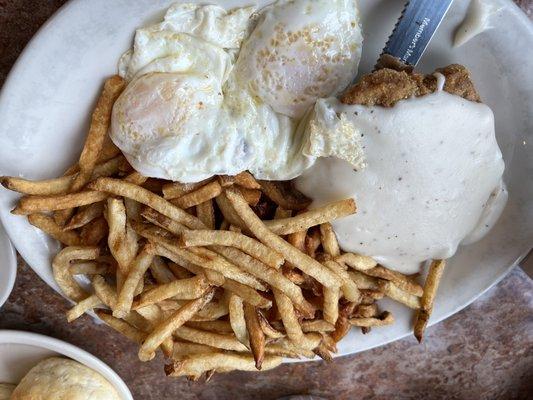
(9, 336)
(10, 262)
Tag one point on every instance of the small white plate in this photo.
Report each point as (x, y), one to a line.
(46, 103)
(21, 351)
(8, 266)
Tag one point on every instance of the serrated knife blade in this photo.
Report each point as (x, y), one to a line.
(414, 30)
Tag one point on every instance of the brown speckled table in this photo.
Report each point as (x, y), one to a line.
(482, 352)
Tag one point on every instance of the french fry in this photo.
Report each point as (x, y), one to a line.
(244, 179)
(104, 291)
(196, 365)
(161, 272)
(83, 306)
(356, 261)
(217, 340)
(233, 239)
(252, 196)
(92, 233)
(203, 194)
(176, 189)
(313, 217)
(364, 281)
(399, 295)
(385, 318)
(343, 326)
(349, 287)
(49, 226)
(165, 328)
(282, 213)
(370, 295)
(85, 215)
(289, 318)
(312, 243)
(331, 304)
(143, 196)
(436, 269)
(365, 311)
(248, 294)
(60, 268)
(293, 255)
(136, 178)
(163, 221)
(133, 209)
(237, 320)
(185, 273)
(88, 268)
(38, 204)
(329, 240)
(284, 195)
(183, 289)
(317, 325)
(182, 349)
(123, 327)
(228, 212)
(268, 329)
(100, 122)
(136, 271)
(122, 240)
(206, 213)
(255, 334)
(399, 280)
(211, 326)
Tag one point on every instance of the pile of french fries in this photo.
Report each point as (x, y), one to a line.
(225, 274)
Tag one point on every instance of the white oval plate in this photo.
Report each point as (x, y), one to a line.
(46, 103)
(8, 266)
(21, 351)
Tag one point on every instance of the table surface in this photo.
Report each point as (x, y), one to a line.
(482, 352)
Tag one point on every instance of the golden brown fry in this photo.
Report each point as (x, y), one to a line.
(100, 122)
(356, 261)
(88, 268)
(399, 295)
(36, 204)
(61, 266)
(205, 193)
(85, 215)
(247, 180)
(233, 239)
(364, 281)
(436, 269)
(49, 226)
(217, 340)
(83, 306)
(182, 349)
(297, 239)
(141, 195)
(195, 366)
(211, 326)
(161, 272)
(255, 334)
(122, 239)
(366, 311)
(323, 352)
(317, 325)
(284, 195)
(133, 209)
(136, 271)
(176, 189)
(92, 233)
(185, 273)
(289, 318)
(313, 217)
(370, 295)
(163, 221)
(237, 320)
(400, 280)
(282, 213)
(104, 291)
(312, 243)
(183, 289)
(123, 327)
(331, 304)
(230, 216)
(342, 327)
(268, 329)
(136, 178)
(329, 240)
(252, 196)
(385, 318)
(165, 328)
(293, 255)
(349, 288)
(248, 294)
(206, 213)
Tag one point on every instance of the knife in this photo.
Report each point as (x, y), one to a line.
(412, 33)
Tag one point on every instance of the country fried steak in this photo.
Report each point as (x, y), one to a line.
(385, 87)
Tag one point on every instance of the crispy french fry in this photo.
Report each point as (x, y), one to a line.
(133, 209)
(183, 289)
(329, 240)
(61, 266)
(293, 255)
(284, 195)
(268, 329)
(237, 320)
(313, 217)
(160, 271)
(400, 280)
(195, 366)
(100, 122)
(83, 306)
(385, 318)
(343, 326)
(49, 226)
(211, 326)
(165, 328)
(364, 281)
(356, 261)
(122, 240)
(248, 294)
(37, 204)
(104, 291)
(436, 269)
(176, 189)
(349, 287)
(255, 334)
(94, 232)
(317, 325)
(217, 340)
(289, 318)
(123, 327)
(163, 221)
(85, 215)
(233, 239)
(331, 304)
(141, 195)
(88, 268)
(228, 212)
(252, 196)
(136, 271)
(182, 349)
(312, 243)
(206, 213)
(282, 213)
(185, 273)
(204, 193)
(366, 311)
(399, 295)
